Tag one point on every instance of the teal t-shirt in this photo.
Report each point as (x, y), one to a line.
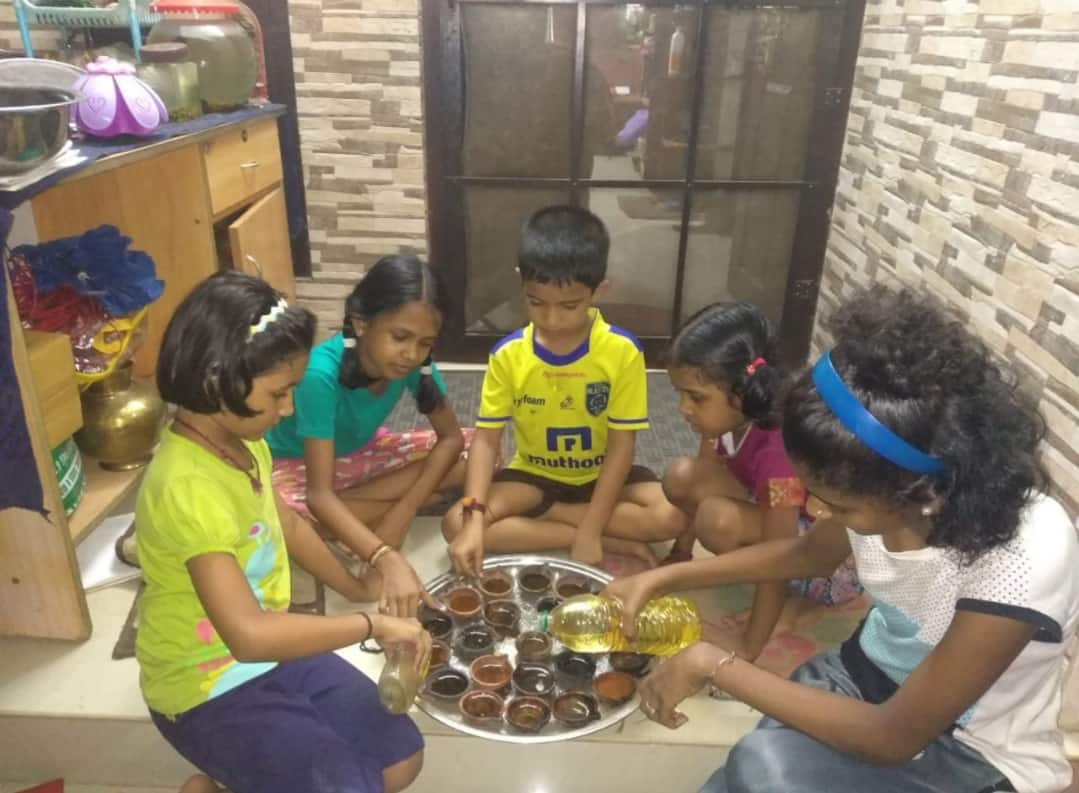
(326, 410)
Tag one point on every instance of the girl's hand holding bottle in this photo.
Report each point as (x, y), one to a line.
(679, 677)
(396, 632)
(633, 593)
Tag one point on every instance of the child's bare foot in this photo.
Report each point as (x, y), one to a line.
(638, 550)
(200, 783)
(682, 550)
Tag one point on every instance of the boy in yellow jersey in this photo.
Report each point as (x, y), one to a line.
(575, 389)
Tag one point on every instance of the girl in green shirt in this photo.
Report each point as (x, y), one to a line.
(332, 458)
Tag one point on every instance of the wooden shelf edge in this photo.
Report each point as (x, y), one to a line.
(103, 493)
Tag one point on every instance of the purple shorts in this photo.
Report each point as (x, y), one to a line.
(315, 724)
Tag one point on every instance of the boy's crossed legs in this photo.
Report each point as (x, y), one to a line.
(529, 513)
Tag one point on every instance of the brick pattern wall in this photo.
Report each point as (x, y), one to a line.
(358, 86)
(961, 176)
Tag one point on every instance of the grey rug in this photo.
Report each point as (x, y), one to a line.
(667, 438)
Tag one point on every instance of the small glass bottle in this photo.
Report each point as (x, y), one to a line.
(677, 52)
(400, 679)
(165, 68)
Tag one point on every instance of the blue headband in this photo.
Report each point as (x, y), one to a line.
(853, 415)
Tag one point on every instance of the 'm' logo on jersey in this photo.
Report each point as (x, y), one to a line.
(569, 439)
(596, 396)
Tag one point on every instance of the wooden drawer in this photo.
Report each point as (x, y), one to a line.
(241, 164)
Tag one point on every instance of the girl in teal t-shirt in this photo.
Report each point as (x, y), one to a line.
(334, 461)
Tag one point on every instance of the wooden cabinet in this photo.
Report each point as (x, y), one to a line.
(260, 245)
(170, 198)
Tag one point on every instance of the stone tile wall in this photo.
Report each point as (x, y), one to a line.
(358, 88)
(961, 176)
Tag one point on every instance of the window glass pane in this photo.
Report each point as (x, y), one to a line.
(638, 87)
(518, 83)
(493, 218)
(643, 225)
(740, 248)
(760, 68)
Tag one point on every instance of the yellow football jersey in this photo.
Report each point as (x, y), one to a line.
(562, 406)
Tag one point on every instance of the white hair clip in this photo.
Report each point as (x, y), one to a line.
(276, 310)
(349, 342)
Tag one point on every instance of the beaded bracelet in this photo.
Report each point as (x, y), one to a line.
(470, 504)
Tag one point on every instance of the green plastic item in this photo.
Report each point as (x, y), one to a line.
(67, 463)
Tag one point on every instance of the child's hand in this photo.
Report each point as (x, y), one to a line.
(632, 592)
(674, 680)
(587, 549)
(402, 590)
(466, 551)
(389, 631)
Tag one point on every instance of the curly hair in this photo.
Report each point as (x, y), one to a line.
(721, 341)
(920, 373)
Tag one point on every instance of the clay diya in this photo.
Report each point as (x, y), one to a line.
(439, 625)
(527, 714)
(548, 603)
(491, 672)
(570, 585)
(635, 664)
(446, 684)
(533, 646)
(482, 708)
(534, 581)
(474, 641)
(464, 603)
(533, 679)
(440, 654)
(615, 688)
(504, 616)
(575, 709)
(496, 584)
(573, 671)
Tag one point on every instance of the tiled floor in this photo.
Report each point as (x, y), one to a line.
(69, 710)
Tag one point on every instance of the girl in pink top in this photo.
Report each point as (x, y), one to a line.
(740, 489)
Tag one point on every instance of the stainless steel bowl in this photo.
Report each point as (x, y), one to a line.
(34, 125)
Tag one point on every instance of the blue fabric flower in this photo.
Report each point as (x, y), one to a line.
(97, 264)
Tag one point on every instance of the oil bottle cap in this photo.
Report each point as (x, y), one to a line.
(545, 619)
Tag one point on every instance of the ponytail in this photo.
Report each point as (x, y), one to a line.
(429, 396)
(731, 345)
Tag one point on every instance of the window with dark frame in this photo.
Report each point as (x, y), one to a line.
(706, 135)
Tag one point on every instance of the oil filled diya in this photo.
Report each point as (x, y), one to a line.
(528, 714)
(491, 672)
(464, 604)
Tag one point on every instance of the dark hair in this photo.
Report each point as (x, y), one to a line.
(209, 357)
(921, 374)
(563, 244)
(392, 282)
(722, 341)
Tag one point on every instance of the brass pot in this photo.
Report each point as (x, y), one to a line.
(122, 419)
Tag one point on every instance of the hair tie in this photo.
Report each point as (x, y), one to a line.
(866, 427)
(267, 319)
(753, 367)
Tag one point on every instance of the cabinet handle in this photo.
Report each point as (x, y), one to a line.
(249, 165)
(254, 261)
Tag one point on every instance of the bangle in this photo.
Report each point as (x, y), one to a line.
(370, 633)
(470, 504)
(380, 551)
(714, 690)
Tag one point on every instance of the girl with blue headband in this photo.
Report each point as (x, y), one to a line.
(921, 457)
